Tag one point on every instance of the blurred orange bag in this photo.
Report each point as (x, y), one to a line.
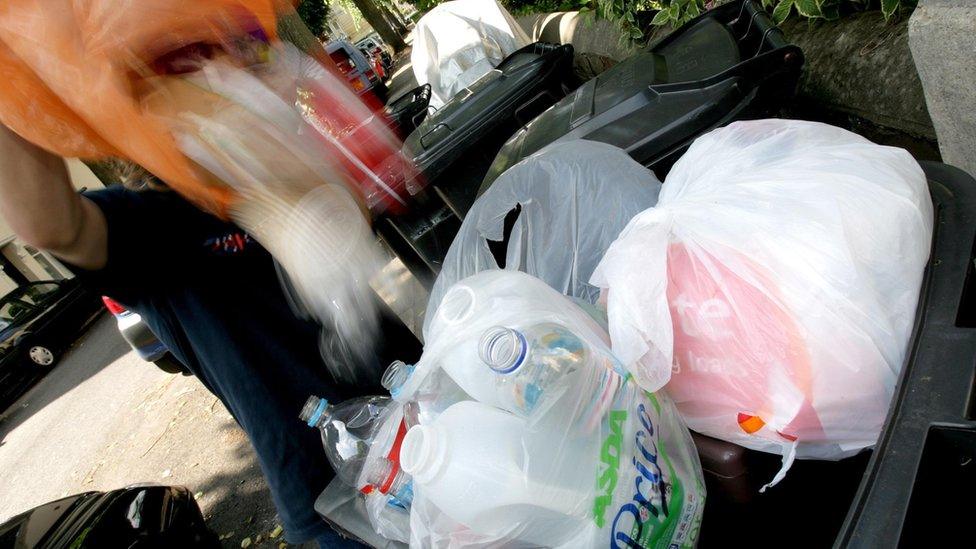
(72, 71)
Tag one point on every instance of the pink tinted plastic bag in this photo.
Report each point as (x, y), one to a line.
(773, 288)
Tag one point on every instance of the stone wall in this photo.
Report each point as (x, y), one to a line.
(861, 67)
(942, 35)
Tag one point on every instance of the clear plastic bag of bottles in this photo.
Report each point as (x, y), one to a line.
(547, 443)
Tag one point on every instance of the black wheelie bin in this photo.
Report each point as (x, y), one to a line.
(918, 488)
(454, 145)
(407, 111)
(728, 64)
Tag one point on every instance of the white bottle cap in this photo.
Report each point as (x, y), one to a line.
(424, 452)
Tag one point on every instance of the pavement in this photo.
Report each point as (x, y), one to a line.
(104, 419)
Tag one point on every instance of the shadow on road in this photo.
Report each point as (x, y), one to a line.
(237, 502)
(80, 362)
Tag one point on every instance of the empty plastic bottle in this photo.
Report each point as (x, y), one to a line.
(362, 439)
(485, 469)
(534, 368)
(437, 392)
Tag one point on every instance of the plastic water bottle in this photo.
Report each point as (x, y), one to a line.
(437, 392)
(396, 374)
(485, 469)
(545, 363)
(361, 437)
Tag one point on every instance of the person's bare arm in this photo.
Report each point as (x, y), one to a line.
(43, 209)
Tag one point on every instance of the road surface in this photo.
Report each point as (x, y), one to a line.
(104, 419)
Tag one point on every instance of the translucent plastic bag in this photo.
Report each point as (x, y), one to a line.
(773, 287)
(575, 198)
(458, 42)
(388, 517)
(593, 459)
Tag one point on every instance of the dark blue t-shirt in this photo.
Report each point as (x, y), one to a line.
(212, 295)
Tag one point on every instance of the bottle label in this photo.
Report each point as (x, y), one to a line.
(645, 496)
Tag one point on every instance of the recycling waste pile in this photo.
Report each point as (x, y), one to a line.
(236, 106)
(764, 295)
(517, 427)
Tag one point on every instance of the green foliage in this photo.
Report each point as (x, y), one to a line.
(634, 16)
(678, 12)
(832, 9)
(314, 14)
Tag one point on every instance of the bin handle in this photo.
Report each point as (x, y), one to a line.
(749, 26)
(762, 41)
(742, 8)
(417, 117)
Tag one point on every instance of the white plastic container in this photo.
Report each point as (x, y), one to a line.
(479, 466)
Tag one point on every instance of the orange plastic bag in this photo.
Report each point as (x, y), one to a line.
(73, 72)
(236, 106)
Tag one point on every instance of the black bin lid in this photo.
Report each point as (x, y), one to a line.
(701, 76)
(485, 104)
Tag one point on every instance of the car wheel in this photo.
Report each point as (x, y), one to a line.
(41, 355)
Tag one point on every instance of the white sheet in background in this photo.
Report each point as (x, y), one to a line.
(575, 196)
(458, 42)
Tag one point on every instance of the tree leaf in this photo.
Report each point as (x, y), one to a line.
(674, 11)
(661, 18)
(782, 11)
(889, 7)
(768, 3)
(807, 8)
(693, 10)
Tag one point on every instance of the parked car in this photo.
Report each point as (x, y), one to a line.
(357, 69)
(38, 322)
(376, 46)
(142, 339)
(138, 516)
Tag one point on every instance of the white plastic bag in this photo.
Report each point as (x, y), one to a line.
(575, 198)
(388, 516)
(458, 42)
(600, 460)
(774, 286)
